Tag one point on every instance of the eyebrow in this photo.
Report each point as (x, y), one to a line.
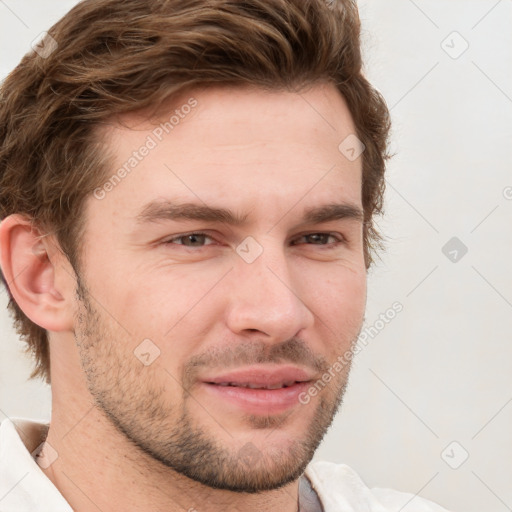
(163, 210)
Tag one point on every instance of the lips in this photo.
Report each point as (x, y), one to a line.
(259, 389)
(257, 386)
(262, 377)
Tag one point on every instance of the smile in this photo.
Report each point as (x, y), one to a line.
(259, 389)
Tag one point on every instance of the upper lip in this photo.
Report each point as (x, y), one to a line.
(261, 375)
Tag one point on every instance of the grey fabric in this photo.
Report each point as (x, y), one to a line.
(308, 498)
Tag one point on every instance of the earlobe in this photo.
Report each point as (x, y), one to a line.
(31, 264)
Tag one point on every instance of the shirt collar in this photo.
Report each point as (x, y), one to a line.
(23, 485)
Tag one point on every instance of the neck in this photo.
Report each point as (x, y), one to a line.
(97, 467)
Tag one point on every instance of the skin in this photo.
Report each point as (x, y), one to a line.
(131, 436)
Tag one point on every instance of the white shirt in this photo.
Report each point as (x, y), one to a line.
(25, 488)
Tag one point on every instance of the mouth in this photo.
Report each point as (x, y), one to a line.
(259, 389)
(251, 385)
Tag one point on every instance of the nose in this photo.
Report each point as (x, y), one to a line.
(264, 298)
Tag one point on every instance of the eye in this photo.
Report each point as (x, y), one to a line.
(190, 240)
(198, 239)
(322, 238)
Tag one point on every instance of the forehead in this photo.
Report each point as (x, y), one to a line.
(250, 148)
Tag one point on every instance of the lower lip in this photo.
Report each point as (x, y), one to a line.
(259, 401)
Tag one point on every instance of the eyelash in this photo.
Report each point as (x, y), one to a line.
(339, 239)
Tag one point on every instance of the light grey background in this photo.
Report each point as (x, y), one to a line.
(440, 371)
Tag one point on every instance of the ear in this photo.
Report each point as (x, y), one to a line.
(36, 273)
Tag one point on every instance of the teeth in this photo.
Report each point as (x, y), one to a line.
(275, 386)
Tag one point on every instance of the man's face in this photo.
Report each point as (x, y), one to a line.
(172, 330)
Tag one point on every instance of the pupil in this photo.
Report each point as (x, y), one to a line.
(194, 237)
(318, 237)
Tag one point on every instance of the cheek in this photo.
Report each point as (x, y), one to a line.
(341, 292)
(339, 303)
(350, 295)
(173, 309)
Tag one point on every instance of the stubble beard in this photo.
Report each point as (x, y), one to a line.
(136, 402)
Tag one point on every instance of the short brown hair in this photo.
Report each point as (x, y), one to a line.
(119, 56)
